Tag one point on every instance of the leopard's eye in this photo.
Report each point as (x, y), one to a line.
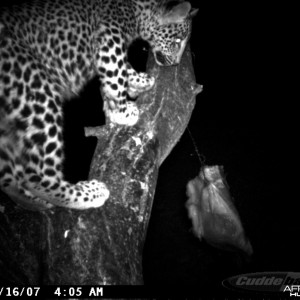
(178, 41)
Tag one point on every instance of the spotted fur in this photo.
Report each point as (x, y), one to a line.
(48, 51)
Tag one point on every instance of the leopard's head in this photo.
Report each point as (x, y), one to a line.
(171, 32)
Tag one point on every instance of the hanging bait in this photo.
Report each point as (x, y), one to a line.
(212, 212)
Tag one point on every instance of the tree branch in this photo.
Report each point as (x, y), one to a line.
(104, 246)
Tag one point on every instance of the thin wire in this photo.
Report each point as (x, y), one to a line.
(200, 157)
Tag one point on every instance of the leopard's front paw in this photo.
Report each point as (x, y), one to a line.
(139, 84)
(93, 194)
(126, 116)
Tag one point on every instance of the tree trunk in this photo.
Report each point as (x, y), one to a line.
(104, 245)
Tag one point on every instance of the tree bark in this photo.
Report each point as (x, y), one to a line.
(104, 245)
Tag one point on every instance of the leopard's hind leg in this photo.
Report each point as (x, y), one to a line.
(42, 160)
(31, 138)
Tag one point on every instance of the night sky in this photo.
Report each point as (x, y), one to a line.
(238, 123)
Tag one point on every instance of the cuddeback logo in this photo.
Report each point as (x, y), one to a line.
(280, 282)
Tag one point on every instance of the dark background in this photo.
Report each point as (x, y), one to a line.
(241, 122)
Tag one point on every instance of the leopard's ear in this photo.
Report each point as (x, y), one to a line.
(178, 12)
(193, 12)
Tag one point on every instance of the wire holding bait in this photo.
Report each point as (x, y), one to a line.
(200, 156)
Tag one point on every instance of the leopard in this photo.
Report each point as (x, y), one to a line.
(49, 50)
